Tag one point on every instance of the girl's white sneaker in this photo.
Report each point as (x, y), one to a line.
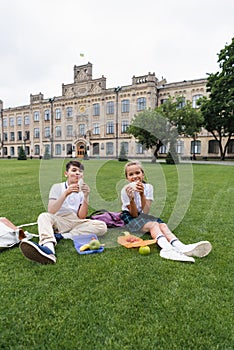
(172, 254)
(199, 249)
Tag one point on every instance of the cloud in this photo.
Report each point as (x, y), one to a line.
(42, 41)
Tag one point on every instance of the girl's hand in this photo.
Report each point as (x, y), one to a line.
(130, 191)
(140, 187)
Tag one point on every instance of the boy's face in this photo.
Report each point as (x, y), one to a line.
(73, 174)
(134, 173)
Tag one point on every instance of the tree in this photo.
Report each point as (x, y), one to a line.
(163, 125)
(22, 154)
(187, 119)
(218, 109)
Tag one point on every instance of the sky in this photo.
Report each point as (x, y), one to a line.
(41, 41)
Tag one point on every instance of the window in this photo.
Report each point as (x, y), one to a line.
(47, 114)
(4, 122)
(12, 151)
(69, 149)
(57, 114)
(69, 130)
(27, 150)
(141, 103)
(109, 148)
(195, 147)
(12, 136)
(37, 150)
(96, 149)
(110, 107)
(180, 147)
(139, 148)
(12, 123)
(124, 125)
(163, 100)
(96, 129)
(58, 132)
(58, 149)
(110, 127)
(19, 135)
(195, 99)
(82, 129)
(163, 149)
(5, 151)
(36, 133)
(181, 103)
(19, 121)
(125, 106)
(69, 112)
(27, 135)
(47, 149)
(213, 146)
(36, 116)
(26, 120)
(5, 138)
(47, 131)
(230, 147)
(125, 146)
(96, 109)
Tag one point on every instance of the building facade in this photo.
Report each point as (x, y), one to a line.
(89, 119)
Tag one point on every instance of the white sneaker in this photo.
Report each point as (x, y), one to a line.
(172, 254)
(198, 250)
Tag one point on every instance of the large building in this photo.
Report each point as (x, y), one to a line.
(90, 119)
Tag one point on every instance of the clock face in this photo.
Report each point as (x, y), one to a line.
(82, 109)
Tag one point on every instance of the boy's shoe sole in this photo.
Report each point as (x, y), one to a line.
(35, 252)
(198, 250)
(172, 254)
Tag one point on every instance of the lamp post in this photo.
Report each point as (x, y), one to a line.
(2, 135)
(117, 89)
(51, 101)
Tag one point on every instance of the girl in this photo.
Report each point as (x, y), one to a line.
(136, 199)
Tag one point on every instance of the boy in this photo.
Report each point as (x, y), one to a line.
(67, 211)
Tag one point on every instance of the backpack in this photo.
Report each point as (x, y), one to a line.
(112, 219)
(10, 235)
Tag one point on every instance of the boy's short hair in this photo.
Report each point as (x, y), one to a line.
(74, 163)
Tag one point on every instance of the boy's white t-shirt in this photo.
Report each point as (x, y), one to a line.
(71, 203)
(149, 195)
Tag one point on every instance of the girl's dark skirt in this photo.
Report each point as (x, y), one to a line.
(136, 224)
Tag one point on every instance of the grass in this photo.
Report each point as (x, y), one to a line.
(120, 300)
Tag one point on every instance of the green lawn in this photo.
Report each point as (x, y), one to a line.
(120, 299)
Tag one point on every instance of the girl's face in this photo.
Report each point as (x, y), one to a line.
(73, 174)
(134, 173)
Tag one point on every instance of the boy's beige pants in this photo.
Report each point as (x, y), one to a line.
(64, 223)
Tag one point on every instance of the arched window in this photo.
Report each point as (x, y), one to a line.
(231, 147)
(109, 148)
(213, 146)
(58, 149)
(96, 149)
(141, 103)
(69, 149)
(195, 147)
(195, 99)
(180, 147)
(125, 145)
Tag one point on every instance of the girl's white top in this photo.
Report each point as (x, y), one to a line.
(149, 194)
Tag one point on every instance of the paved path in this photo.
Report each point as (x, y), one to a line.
(225, 162)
